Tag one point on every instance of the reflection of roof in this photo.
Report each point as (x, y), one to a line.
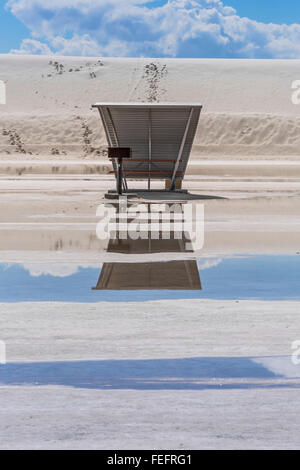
(159, 134)
(170, 275)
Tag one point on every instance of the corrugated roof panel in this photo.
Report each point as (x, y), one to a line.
(132, 124)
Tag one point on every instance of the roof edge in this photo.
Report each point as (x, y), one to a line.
(146, 105)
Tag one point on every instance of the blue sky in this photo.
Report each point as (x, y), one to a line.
(178, 28)
(12, 31)
(268, 11)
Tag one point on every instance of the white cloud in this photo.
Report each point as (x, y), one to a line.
(207, 263)
(31, 46)
(77, 45)
(179, 28)
(56, 269)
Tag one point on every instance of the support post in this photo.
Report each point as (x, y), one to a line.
(118, 154)
(116, 140)
(149, 149)
(120, 176)
(173, 179)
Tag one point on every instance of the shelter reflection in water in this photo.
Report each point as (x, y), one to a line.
(162, 275)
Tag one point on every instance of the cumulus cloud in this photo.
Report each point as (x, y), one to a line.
(31, 46)
(207, 263)
(56, 269)
(177, 28)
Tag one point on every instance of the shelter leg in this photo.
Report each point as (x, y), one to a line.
(120, 176)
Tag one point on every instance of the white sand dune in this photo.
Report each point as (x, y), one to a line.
(248, 109)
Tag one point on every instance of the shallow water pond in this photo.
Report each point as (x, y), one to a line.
(241, 277)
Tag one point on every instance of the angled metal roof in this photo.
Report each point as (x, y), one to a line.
(160, 136)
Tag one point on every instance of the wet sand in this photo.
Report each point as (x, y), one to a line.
(58, 214)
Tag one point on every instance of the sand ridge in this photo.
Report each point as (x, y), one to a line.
(248, 109)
